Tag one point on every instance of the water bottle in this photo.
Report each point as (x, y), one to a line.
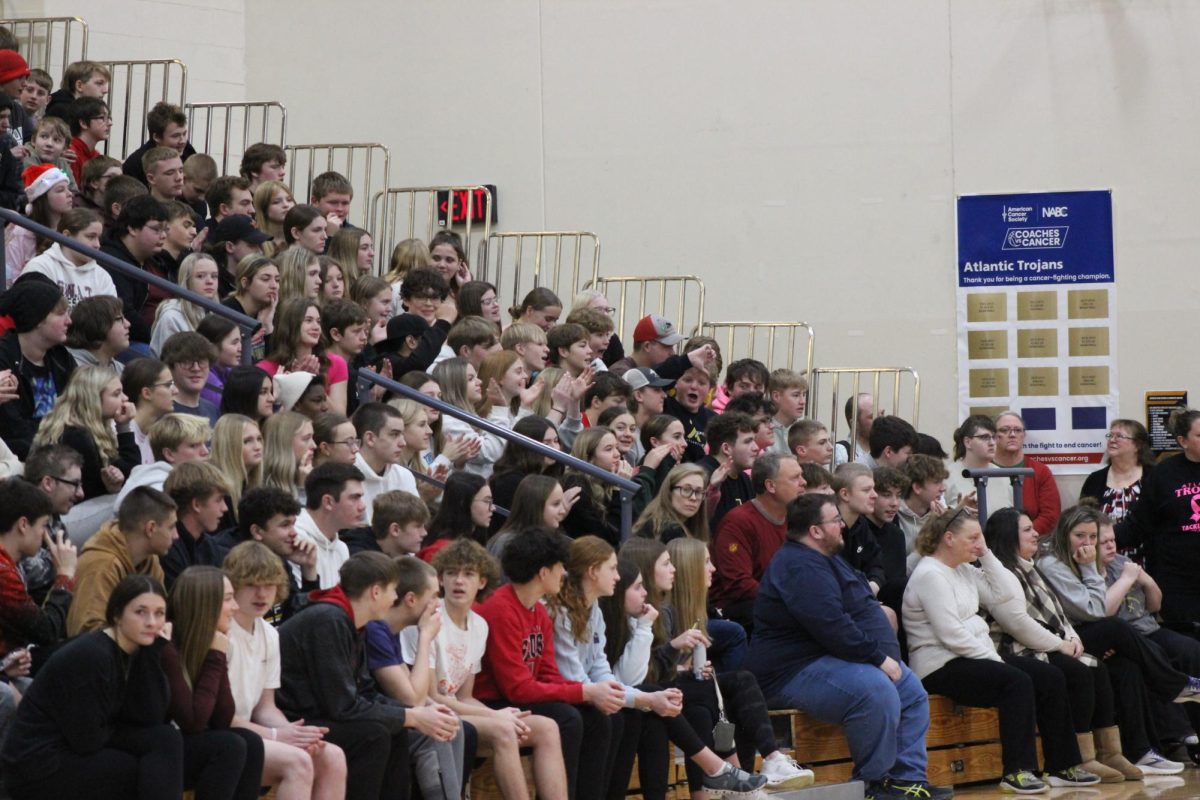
(699, 659)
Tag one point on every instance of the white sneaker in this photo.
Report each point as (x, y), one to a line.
(782, 772)
(1154, 764)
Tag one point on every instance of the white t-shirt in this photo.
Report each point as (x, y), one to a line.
(456, 654)
(254, 665)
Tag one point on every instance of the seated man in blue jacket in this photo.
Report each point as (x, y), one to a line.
(823, 645)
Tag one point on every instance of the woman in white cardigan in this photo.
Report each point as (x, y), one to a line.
(1031, 622)
(950, 648)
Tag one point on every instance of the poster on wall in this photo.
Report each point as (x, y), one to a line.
(1037, 319)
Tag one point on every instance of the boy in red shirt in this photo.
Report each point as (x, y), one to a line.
(519, 667)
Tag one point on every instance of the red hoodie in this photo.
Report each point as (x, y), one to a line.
(334, 596)
(518, 665)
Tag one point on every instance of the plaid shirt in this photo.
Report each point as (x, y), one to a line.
(1043, 607)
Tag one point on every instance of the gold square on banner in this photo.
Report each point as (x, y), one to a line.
(989, 382)
(1087, 380)
(1087, 303)
(987, 307)
(1037, 343)
(987, 411)
(1037, 381)
(987, 344)
(1037, 305)
(1088, 341)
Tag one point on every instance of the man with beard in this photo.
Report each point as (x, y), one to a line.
(823, 645)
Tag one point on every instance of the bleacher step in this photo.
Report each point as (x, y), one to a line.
(851, 790)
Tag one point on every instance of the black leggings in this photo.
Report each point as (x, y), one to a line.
(982, 683)
(646, 735)
(1184, 654)
(1055, 722)
(220, 764)
(1089, 693)
(744, 707)
(1112, 634)
(146, 763)
(377, 760)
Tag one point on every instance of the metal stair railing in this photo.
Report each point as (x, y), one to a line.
(248, 325)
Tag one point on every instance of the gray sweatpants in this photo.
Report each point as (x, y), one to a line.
(438, 766)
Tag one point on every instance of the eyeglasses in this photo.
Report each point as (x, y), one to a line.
(73, 484)
(169, 384)
(353, 443)
(984, 437)
(193, 364)
(1009, 431)
(839, 520)
(486, 500)
(1118, 437)
(689, 492)
(434, 296)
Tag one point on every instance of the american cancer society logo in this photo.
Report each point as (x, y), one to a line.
(1047, 237)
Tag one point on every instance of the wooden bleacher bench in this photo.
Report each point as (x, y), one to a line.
(963, 745)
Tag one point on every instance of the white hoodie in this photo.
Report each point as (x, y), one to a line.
(77, 282)
(331, 553)
(152, 475)
(394, 477)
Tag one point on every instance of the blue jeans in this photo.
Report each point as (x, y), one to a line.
(884, 722)
(729, 646)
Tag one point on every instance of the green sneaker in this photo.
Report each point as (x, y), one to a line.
(1023, 782)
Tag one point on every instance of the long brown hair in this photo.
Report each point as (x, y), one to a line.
(1072, 518)
(644, 553)
(586, 552)
(193, 608)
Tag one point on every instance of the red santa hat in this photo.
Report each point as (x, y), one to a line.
(39, 179)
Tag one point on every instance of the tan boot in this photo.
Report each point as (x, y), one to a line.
(1087, 751)
(1108, 753)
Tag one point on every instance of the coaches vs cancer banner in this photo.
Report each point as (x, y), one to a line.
(1036, 319)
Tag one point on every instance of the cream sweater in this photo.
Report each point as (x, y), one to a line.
(941, 612)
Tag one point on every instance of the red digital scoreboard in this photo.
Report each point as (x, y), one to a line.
(453, 210)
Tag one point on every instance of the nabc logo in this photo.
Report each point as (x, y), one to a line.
(1057, 212)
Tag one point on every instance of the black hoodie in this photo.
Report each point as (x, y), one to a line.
(133, 293)
(18, 424)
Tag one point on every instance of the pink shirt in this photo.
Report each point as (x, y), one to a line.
(337, 373)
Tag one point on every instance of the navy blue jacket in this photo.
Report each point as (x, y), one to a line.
(810, 605)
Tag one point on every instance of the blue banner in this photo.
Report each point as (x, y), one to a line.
(1039, 237)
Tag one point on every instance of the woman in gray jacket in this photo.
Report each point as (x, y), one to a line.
(1070, 568)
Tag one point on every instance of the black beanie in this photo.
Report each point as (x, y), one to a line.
(30, 301)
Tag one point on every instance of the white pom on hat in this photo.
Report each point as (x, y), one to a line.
(39, 179)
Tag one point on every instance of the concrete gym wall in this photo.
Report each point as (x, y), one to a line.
(802, 156)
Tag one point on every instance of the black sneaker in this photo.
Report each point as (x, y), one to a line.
(919, 790)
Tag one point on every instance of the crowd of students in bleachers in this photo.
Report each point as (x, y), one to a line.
(277, 596)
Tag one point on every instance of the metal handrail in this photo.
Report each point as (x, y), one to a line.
(1016, 475)
(248, 324)
(626, 487)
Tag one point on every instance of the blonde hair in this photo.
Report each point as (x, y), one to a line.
(660, 513)
(190, 311)
(264, 193)
(79, 407)
(280, 468)
(343, 248)
(493, 368)
(545, 400)
(226, 455)
(408, 255)
(689, 595)
(931, 533)
(293, 268)
(521, 333)
(411, 410)
(253, 564)
(174, 430)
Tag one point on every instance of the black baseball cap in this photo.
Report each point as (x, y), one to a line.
(239, 228)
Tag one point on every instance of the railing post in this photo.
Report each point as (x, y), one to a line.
(626, 514)
(1016, 475)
